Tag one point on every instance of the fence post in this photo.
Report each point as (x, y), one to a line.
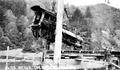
(7, 58)
(85, 69)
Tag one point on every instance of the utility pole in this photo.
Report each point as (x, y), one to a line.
(58, 37)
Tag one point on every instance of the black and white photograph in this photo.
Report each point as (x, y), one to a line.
(59, 34)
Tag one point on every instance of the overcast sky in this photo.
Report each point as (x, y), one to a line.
(115, 3)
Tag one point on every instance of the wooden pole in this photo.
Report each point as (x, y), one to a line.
(58, 37)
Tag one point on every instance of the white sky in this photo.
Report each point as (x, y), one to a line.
(115, 3)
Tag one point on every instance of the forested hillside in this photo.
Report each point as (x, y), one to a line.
(98, 25)
(14, 30)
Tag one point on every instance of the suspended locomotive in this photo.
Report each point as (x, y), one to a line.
(44, 26)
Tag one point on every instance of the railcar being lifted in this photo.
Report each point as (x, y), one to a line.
(44, 26)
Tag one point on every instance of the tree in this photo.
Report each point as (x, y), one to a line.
(12, 34)
(2, 17)
(18, 7)
(1, 32)
(10, 17)
(77, 16)
(88, 13)
(4, 42)
(22, 25)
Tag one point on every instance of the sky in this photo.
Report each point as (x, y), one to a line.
(114, 3)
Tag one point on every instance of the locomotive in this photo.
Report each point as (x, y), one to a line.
(44, 25)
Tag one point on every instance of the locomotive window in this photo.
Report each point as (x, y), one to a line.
(39, 14)
(37, 17)
(47, 16)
